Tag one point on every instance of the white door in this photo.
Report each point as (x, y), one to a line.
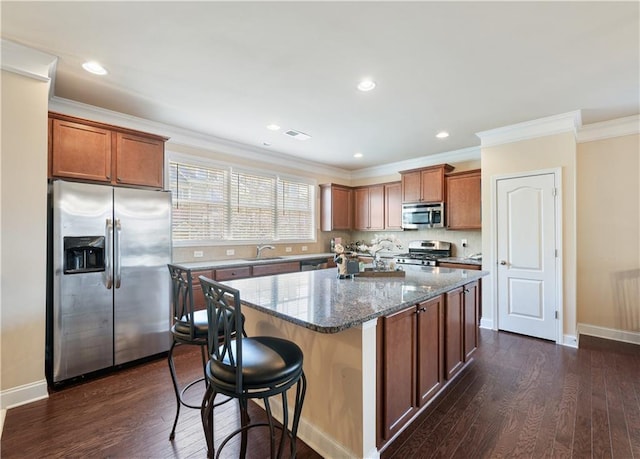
(526, 227)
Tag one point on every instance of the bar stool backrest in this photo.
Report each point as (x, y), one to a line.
(225, 326)
(182, 297)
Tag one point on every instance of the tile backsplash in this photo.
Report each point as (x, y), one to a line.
(322, 245)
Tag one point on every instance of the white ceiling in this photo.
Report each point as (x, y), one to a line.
(227, 69)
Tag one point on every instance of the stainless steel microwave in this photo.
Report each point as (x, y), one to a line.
(423, 215)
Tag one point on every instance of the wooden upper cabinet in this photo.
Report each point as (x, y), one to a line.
(464, 210)
(95, 152)
(79, 151)
(393, 206)
(425, 184)
(336, 207)
(139, 160)
(369, 208)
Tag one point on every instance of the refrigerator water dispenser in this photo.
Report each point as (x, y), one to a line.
(84, 254)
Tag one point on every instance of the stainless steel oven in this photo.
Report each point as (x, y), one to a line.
(423, 215)
(424, 253)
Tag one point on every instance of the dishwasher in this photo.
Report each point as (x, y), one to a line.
(312, 265)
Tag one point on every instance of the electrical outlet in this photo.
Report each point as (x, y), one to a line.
(198, 254)
(287, 249)
(464, 243)
(304, 248)
(231, 252)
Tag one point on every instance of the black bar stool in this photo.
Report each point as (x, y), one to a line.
(189, 327)
(248, 368)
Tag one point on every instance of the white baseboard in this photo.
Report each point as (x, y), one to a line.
(21, 395)
(626, 336)
(317, 440)
(570, 341)
(486, 323)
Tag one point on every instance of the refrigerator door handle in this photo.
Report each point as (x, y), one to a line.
(108, 277)
(116, 258)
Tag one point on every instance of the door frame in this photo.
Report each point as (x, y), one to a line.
(559, 294)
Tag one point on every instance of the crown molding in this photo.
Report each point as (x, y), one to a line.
(455, 156)
(628, 125)
(28, 62)
(556, 124)
(193, 139)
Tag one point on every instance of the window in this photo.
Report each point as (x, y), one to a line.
(214, 203)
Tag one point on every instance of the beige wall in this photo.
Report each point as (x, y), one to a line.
(555, 151)
(23, 230)
(608, 241)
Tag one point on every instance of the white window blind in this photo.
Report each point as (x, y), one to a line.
(252, 207)
(218, 203)
(199, 202)
(294, 217)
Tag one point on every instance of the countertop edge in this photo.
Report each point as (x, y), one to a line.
(472, 276)
(239, 262)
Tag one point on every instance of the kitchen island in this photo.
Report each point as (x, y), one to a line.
(334, 321)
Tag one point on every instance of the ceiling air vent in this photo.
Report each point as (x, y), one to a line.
(297, 134)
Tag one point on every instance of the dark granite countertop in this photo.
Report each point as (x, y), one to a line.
(236, 262)
(319, 301)
(461, 260)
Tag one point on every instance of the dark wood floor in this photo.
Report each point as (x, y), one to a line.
(521, 397)
(529, 398)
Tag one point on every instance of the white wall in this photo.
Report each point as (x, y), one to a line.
(23, 243)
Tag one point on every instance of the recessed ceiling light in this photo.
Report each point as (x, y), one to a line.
(366, 85)
(442, 135)
(357, 155)
(94, 67)
(273, 127)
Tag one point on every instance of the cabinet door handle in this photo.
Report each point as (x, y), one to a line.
(503, 262)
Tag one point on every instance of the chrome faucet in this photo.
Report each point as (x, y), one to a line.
(262, 247)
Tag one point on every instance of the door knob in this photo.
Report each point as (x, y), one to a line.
(502, 262)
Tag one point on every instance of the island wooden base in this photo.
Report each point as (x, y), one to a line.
(339, 413)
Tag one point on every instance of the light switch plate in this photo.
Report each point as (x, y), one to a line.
(231, 252)
(198, 254)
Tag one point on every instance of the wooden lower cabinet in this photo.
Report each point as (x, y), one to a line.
(461, 326)
(198, 297)
(430, 358)
(410, 355)
(471, 298)
(453, 332)
(225, 274)
(276, 268)
(419, 350)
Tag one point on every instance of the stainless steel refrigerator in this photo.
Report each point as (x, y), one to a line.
(109, 284)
